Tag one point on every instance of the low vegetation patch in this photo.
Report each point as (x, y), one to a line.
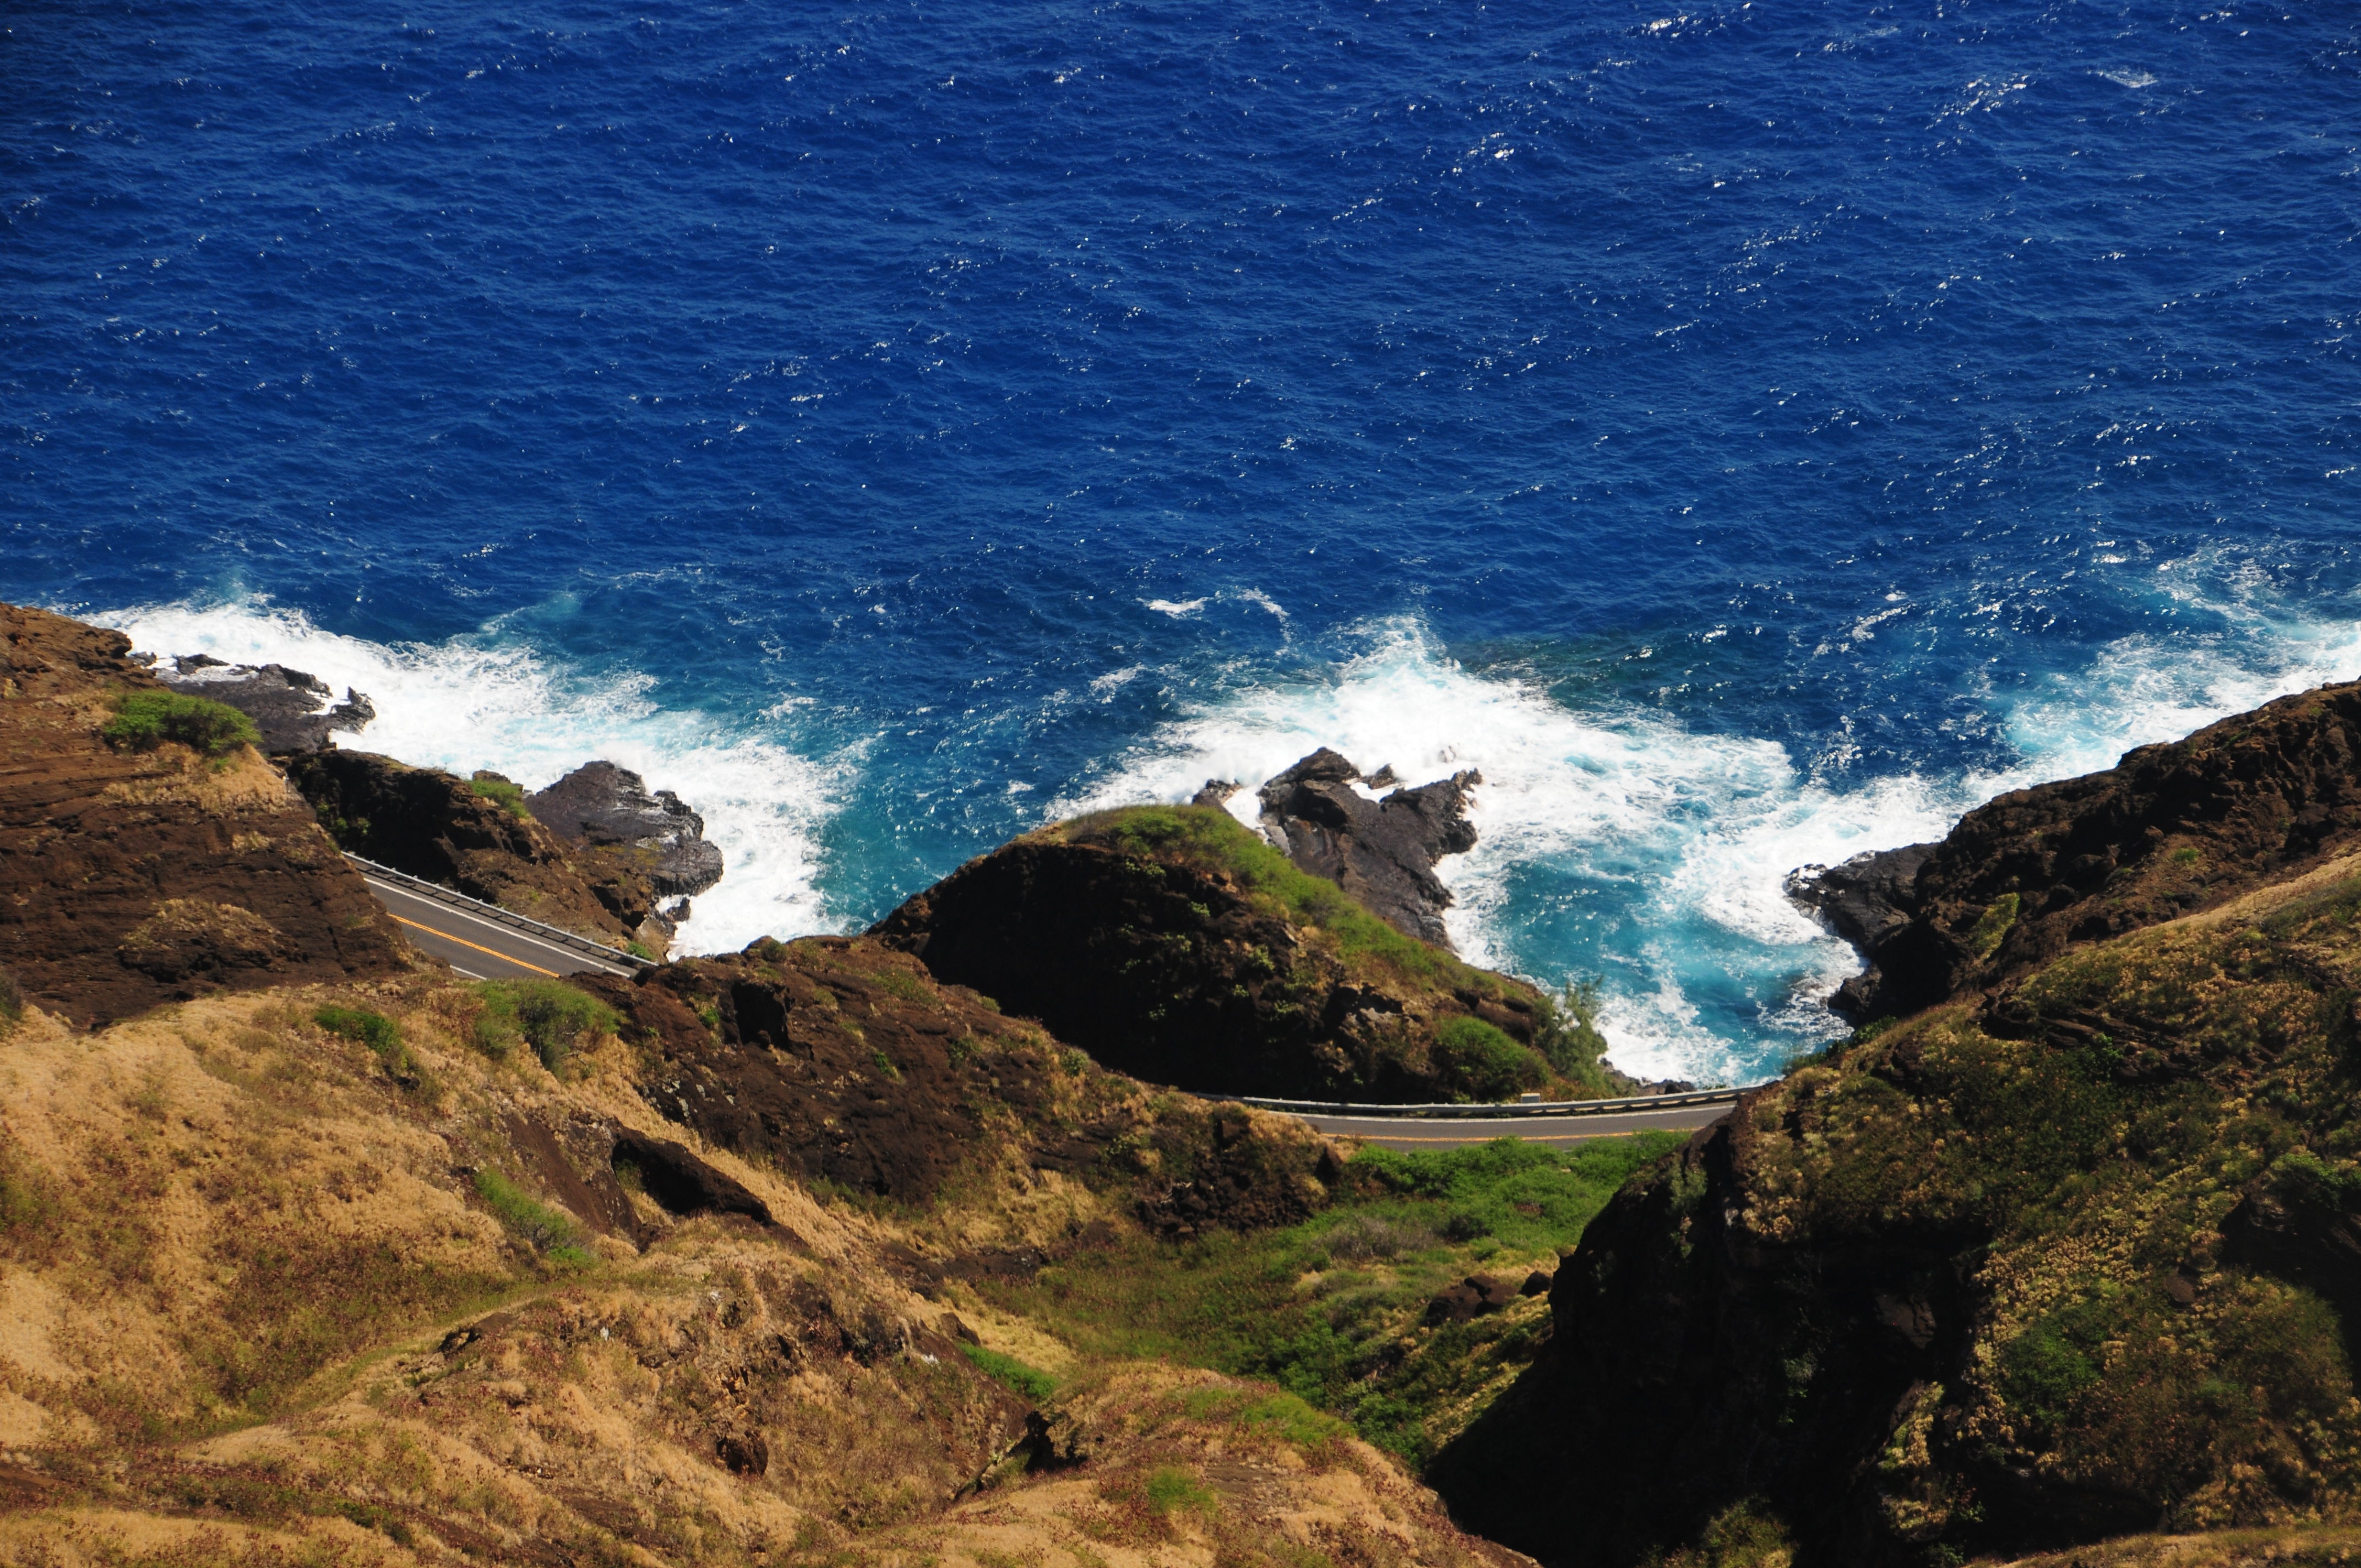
(1333, 1310)
(145, 720)
(381, 1034)
(509, 796)
(548, 1231)
(1030, 1382)
(549, 1015)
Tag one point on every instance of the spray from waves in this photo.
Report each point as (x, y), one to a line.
(484, 703)
(1685, 838)
(1619, 843)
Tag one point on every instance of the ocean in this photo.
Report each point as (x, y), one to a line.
(1749, 434)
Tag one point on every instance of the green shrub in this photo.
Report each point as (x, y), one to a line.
(883, 1064)
(1569, 1037)
(1992, 926)
(508, 795)
(145, 720)
(549, 1015)
(12, 1000)
(1009, 1372)
(1483, 1062)
(379, 1033)
(551, 1232)
(1170, 1488)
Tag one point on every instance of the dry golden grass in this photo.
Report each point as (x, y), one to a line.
(234, 1250)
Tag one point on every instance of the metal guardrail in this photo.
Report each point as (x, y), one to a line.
(1488, 1113)
(494, 914)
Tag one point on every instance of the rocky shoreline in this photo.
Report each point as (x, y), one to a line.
(2057, 1248)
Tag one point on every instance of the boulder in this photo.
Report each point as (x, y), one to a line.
(602, 804)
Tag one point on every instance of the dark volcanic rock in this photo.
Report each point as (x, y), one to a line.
(1671, 1384)
(684, 1185)
(1171, 970)
(295, 711)
(439, 828)
(2169, 830)
(130, 879)
(1381, 852)
(603, 804)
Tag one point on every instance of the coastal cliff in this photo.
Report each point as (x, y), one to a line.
(2066, 1255)
(2169, 830)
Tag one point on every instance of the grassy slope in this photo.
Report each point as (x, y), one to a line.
(234, 1236)
(1331, 1309)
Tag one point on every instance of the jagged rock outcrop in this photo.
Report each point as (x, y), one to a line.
(1382, 852)
(133, 878)
(2169, 830)
(294, 710)
(601, 805)
(1175, 945)
(475, 835)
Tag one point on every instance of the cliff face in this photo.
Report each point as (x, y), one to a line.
(1173, 944)
(2172, 829)
(133, 878)
(479, 837)
(2074, 1260)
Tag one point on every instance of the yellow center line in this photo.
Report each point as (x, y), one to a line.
(462, 941)
(1524, 1137)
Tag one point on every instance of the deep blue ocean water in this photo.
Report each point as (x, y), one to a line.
(1749, 434)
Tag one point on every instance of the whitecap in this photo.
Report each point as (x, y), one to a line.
(489, 701)
(1179, 609)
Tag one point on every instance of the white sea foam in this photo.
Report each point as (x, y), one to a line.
(488, 702)
(1620, 799)
(1618, 841)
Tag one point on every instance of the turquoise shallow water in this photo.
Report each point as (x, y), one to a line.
(1747, 435)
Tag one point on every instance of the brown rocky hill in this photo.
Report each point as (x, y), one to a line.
(1174, 944)
(2069, 1255)
(2171, 829)
(334, 1274)
(131, 877)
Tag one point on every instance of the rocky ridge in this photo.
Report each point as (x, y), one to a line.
(477, 836)
(2169, 830)
(1174, 944)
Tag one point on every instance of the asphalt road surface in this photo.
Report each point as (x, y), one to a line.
(480, 946)
(1418, 1133)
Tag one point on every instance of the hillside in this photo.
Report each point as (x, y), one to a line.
(2069, 1257)
(1173, 943)
(796, 1255)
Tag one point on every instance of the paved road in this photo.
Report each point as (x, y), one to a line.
(482, 947)
(1417, 1133)
(485, 943)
